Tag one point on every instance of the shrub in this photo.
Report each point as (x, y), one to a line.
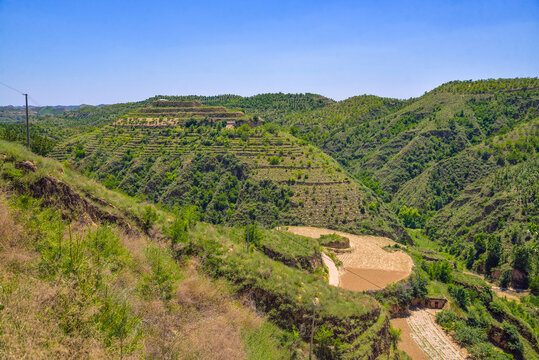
(534, 285)
(160, 281)
(485, 351)
(148, 218)
(494, 254)
(410, 217)
(441, 270)
(274, 160)
(334, 240)
(523, 259)
(505, 279)
(513, 338)
(460, 294)
(469, 335)
(418, 285)
(447, 319)
(185, 219)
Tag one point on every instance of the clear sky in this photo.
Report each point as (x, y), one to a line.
(93, 52)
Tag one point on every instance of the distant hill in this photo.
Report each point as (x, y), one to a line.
(232, 165)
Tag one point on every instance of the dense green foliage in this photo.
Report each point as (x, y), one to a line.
(39, 144)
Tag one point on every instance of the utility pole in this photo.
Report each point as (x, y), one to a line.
(27, 123)
(248, 231)
(312, 332)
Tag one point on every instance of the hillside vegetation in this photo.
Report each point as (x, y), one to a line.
(96, 273)
(231, 165)
(460, 161)
(80, 278)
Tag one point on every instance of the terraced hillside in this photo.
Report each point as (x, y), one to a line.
(164, 113)
(228, 164)
(460, 160)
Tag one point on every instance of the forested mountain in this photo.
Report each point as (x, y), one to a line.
(426, 160)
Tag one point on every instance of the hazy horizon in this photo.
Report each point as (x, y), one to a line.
(103, 53)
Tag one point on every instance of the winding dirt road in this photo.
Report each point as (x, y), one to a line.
(332, 270)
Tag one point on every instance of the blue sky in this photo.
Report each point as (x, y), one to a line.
(93, 52)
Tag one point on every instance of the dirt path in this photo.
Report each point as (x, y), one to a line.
(511, 294)
(368, 266)
(332, 269)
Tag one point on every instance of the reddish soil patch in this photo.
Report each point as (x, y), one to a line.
(407, 343)
(369, 279)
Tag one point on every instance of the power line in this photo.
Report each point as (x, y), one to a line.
(351, 272)
(34, 101)
(12, 88)
(21, 93)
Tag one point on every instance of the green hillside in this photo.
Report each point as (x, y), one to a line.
(90, 272)
(231, 165)
(460, 160)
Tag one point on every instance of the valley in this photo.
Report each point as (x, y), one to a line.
(216, 226)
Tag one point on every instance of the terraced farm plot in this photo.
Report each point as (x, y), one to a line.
(431, 338)
(368, 266)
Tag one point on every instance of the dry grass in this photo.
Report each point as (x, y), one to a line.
(201, 322)
(46, 317)
(10, 232)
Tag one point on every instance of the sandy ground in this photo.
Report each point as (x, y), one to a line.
(407, 343)
(368, 265)
(369, 279)
(332, 269)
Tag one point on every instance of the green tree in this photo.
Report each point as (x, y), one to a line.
(395, 335)
(441, 270)
(505, 279)
(418, 285)
(522, 259)
(410, 217)
(461, 295)
(513, 339)
(494, 254)
(534, 285)
(185, 219)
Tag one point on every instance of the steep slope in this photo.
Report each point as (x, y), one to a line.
(91, 275)
(80, 279)
(393, 141)
(228, 164)
(340, 128)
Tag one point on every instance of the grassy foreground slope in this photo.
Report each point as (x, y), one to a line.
(89, 272)
(229, 165)
(79, 278)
